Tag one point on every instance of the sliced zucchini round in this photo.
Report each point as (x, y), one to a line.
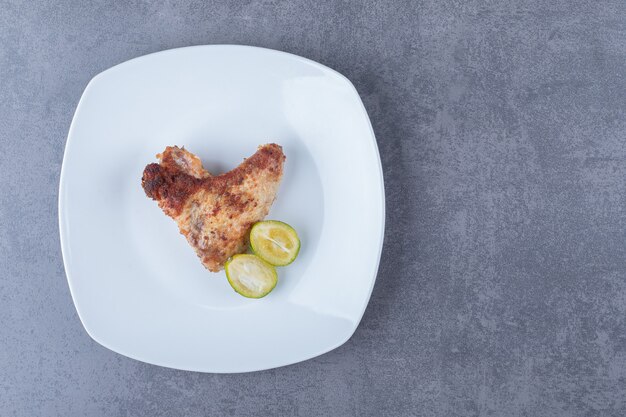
(274, 241)
(250, 275)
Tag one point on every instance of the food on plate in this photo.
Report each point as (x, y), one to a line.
(250, 275)
(275, 242)
(215, 213)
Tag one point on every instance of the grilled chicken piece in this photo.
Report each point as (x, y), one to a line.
(215, 213)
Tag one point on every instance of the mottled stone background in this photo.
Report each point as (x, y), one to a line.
(502, 131)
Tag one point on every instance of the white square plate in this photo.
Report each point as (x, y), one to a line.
(139, 288)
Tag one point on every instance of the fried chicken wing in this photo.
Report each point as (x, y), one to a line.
(215, 213)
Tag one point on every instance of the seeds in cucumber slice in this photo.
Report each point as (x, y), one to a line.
(274, 241)
(250, 275)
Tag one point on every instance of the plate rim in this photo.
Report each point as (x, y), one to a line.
(62, 222)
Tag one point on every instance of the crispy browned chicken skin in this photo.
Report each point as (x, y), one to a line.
(215, 213)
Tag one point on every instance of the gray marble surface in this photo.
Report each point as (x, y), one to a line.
(502, 131)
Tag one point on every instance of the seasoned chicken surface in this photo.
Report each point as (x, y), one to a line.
(215, 213)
